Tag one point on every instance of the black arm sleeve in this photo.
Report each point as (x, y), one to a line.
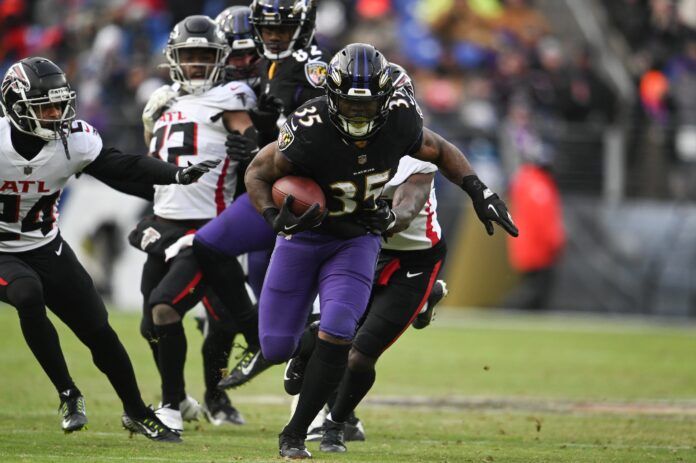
(112, 165)
(141, 190)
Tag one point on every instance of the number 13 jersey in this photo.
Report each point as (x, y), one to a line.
(191, 131)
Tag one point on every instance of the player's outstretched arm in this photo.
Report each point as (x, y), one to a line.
(454, 165)
(111, 164)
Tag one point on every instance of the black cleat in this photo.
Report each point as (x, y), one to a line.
(294, 375)
(151, 427)
(292, 446)
(333, 440)
(354, 430)
(251, 364)
(438, 293)
(218, 410)
(73, 411)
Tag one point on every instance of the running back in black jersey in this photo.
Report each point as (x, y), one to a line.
(352, 178)
(296, 79)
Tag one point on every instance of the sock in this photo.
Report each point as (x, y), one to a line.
(172, 357)
(353, 389)
(308, 342)
(26, 295)
(111, 358)
(226, 277)
(324, 371)
(216, 353)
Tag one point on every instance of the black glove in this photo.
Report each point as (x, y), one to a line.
(190, 174)
(265, 115)
(379, 220)
(284, 222)
(239, 147)
(488, 206)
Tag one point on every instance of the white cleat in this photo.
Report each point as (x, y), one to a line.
(190, 409)
(171, 418)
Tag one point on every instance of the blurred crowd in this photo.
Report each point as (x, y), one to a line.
(499, 77)
(477, 63)
(661, 36)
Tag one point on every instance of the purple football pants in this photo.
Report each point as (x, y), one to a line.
(340, 270)
(240, 229)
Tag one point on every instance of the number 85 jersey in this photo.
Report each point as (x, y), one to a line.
(352, 177)
(191, 131)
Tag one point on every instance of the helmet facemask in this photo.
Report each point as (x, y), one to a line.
(359, 117)
(196, 65)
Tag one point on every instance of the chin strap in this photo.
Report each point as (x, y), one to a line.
(65, 143)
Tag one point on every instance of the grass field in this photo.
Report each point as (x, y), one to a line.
(475, 387)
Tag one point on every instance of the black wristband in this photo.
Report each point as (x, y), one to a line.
(270, 213)
(472, 185)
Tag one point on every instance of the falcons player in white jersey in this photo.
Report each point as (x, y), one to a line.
(41, 147)
(194, 119)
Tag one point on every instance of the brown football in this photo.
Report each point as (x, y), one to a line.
(305, 191)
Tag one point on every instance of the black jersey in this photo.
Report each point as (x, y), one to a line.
(296, 79)
(352, 178)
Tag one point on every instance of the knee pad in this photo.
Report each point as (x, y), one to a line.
(278, 349)
(359, 362)
(26, 295)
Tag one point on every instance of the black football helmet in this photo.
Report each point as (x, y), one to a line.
(359, 85)
(297, 16)
(235, 23)
(27, 86)
(196, 32)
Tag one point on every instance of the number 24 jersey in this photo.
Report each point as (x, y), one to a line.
(30, 188)
(352, 178)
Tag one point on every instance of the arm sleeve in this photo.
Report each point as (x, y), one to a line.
(141, 190)
(111, 165)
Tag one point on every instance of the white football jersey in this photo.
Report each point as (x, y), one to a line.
(191, 131)
(30, 189)
(424, 232)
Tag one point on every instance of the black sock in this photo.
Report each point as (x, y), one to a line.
(111, 358)
(324, 371)
(26, 295)
(172, 357)
(216, 353)
(353, 388)
(225, 276)
(308, 342)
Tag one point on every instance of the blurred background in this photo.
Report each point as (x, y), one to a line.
(581, 113)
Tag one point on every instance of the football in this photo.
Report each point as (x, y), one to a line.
(305, 191)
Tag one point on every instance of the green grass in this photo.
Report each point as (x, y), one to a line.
(488, 388)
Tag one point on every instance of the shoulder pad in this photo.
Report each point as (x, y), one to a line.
(232, 96)
(84, 141)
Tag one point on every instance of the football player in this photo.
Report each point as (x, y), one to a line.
(293, 71)
(43, 146)
(405, 288)
(193, 125)
(350, 142)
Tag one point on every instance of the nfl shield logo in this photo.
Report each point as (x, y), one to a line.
(28, 170)
(315, 72)
(362, 159)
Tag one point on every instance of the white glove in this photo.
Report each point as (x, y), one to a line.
(159, 101)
